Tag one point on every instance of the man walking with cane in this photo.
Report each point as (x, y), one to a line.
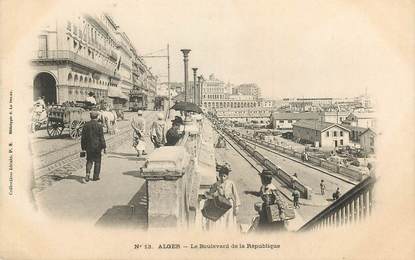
(93, 142)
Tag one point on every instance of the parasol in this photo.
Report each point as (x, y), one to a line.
(187, 106)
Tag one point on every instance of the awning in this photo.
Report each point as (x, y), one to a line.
(123, 96)
(115, 92)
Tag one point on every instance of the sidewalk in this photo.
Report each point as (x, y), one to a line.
(117, 199)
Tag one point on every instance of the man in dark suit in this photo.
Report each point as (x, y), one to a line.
(93, 142)
(173, 135)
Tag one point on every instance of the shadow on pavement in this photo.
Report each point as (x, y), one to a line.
(121, 154)
(133, 173)
(132, 215)
(77, 178)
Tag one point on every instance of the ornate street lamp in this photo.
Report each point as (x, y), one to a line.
(185, 60)
(194, 85)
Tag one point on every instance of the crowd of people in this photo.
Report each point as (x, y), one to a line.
(93, 140)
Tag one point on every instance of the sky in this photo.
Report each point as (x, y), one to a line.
(288, 48)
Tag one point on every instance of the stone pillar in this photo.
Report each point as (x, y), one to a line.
(199, 91)
(185, 60)
(164, 173)
(194, 86)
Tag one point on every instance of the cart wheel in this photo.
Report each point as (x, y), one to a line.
(75, 130)
(54, 128)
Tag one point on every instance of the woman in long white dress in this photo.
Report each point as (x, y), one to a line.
(226, 188)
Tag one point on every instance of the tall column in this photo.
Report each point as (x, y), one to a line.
(199, 90)
(202, 80)
(185, 60)
(194, 85)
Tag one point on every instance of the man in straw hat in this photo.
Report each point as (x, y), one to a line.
(139, 125)
(93, 142)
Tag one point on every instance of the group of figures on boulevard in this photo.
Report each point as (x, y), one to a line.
(93, 144)
(93, 140)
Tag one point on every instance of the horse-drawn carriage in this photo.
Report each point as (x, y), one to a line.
(61, 117)
(73, 117)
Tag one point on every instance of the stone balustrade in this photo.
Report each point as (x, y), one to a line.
(177, 175)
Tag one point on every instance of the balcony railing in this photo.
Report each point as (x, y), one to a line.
(352, 207)
(63, 55)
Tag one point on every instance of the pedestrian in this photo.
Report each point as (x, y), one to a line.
(173, 135)
(139, 125)
(270, 196)
(227, 189)
(322, 187)
(93, 142)
(41, 102)
(336, 194)
(158, 131)
(296, 197)
(91, 99)
(266, 179)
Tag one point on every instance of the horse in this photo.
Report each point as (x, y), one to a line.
(39, 117)
(109, 120)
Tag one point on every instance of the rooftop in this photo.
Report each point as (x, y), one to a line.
(295, 116)
(317, 125)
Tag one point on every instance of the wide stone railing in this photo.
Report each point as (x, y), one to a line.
(354, 206)
(176, 176)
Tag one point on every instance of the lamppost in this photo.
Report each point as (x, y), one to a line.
(194, 85)
(201, 80)
(199, 91)
(185, 60)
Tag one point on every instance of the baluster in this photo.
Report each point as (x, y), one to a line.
(366, 200)
(336, 218)
(362, 207)
(347, 213)
(351, 217)
(356, 210)
(370, 200)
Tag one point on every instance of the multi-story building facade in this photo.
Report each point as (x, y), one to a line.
(250, 89)
(84, 54)
(265, 102)
(242, 115)
(216, 94)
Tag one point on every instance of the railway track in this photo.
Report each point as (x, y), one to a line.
(296, 160)
(252, 161)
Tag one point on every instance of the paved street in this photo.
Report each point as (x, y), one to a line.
(58, 164)
(103, 202)
(109, 200)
